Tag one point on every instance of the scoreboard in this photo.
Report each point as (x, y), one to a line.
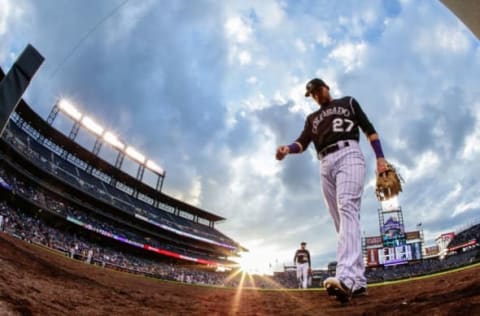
(394, 255)
(393, 245)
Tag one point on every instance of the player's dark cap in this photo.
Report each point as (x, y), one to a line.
(313, 85)
(303, 243)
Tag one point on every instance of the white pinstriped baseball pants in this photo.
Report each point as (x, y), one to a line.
(343, 179)
(302, 274)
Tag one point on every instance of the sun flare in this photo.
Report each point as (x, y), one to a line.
(254, 263)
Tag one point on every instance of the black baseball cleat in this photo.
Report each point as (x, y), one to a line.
(361, 291)
(338, 289)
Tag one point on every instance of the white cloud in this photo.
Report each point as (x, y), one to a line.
(300, 45)
(350, 55)
(359, 23)
(300, 103)
(237, 29)
(323, 38)
(244, 57)
(472, 142)
(466, 206)
(9, 12)
(252, 80)
(261, 160)
(426, 165)
(278, 98)
(12, 13)
(261, 63)
(441, 39)
(255, 103)
(191, 195)
(271, 13)
(128, 20)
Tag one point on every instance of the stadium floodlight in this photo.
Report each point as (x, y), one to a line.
(153, 166)
(92, 125)
(69, 109)
(132, 152)
(113, 140)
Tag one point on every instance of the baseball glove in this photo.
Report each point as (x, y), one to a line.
(389, 184)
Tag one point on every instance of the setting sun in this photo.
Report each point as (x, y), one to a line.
(255, 262)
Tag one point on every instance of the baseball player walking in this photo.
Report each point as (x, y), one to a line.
(334, 130)
(303, 264)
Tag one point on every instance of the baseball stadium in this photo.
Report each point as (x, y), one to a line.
(92, 230)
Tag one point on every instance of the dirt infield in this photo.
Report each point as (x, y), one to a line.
(34, 281)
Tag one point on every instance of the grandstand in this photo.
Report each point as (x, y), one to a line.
(465, 239)
(49, 179)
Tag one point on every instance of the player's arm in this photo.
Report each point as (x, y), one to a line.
(295, 257)
(377, 149)
(371, 134)
(293, 148)
(300, 144)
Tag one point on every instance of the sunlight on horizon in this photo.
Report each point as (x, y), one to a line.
(256, 262)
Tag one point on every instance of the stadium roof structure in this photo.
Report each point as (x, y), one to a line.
(468, 11)
(49, 132)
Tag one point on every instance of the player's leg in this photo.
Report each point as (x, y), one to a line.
(350, 182)
(329, 189)
(360, 279)
(299, 275)
(305, 275)
(329, 172)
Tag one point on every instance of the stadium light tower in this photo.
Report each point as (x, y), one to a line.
(68, 108)
(135, 155)
(154, 167)
(102, 135)
(110, 138)
(92, 126)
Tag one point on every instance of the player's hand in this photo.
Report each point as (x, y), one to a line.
(282, 151)
(382, 165)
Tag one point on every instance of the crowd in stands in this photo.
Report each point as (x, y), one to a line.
(92, 221)
(464, 236)
(421, 267)
(96, 184)
(34, 229)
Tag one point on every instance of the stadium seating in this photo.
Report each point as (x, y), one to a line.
(51, 162)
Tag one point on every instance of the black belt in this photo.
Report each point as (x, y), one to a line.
(333, 148)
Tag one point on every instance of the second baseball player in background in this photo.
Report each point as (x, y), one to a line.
(334, 130)
(303, 264)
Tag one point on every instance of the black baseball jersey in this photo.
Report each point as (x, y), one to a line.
(338, 120)
(302, 256)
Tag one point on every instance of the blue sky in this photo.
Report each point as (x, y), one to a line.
(208, 89)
